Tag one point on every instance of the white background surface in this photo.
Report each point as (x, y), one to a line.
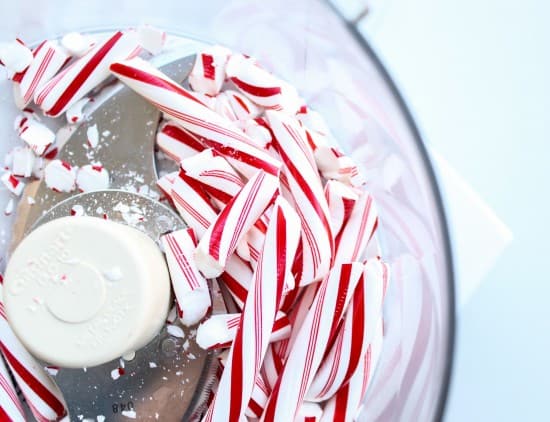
(475, 74)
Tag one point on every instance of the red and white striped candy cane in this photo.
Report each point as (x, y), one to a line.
(10, 406)
(335, 165)
(237, 278)
(192, 114)
(218, 331)
(42, 395)
(258, 316)
(48, 58)
(222, 237)
(314, 337)
(352, 240)
(177, 143)
(190, 287)
(86, 73)
(192, 204)
(208, 73)
(341, 199)
(36, 134)
(260, 86)
(354, 336)
(345, 405)
(258, 400)
(215, 174)
(165, 183)
(307, 191)
(235, 106)
(12, 183)
(222, 183)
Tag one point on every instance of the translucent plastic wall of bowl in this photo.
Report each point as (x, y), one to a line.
(306, 43)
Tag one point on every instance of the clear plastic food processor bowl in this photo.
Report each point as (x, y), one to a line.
(308, 44)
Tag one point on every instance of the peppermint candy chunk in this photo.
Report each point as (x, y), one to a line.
(92, 177)
(151, 39)
(208, 73)
(76, 44)
(12, 183)
(262, 87)
(15, 56)
(36, 134)
(60, 176)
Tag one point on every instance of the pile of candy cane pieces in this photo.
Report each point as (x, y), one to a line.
(275, 211)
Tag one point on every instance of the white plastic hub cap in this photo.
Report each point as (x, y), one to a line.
(82, 291)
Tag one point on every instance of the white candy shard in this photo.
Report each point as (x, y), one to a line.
(60, 176)
(92, 134)
(91, 177)
(77, 210)
(76, 44)
(208, 73)
(151, 39)
(13, 184)
(15, 55)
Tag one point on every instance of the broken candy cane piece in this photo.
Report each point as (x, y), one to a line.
(192, 114)
(237, 278)
(219, 331)
(192, 204)
(86, 73)
(235, 106)
(258, 316)
(13, 184)
(76, 44)
(91, 177)
(357, 231)
(190, 287)
(22, 161)
(341, 199)
(151, 39)
(257, 132)
(92, 134)
(355, 335)
(215, 174)
(15, 56)
(314, 338)
(44, 398)
(334, 164)
(60, 176)
(346, 403)
(37, 135)
(48, 58)
(208, 73)
(177, 143)
(307, 191)
(11, 409)
(75, 113)
(222, 237)
(261, 86)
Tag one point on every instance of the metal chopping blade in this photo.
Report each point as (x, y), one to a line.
(167, 379)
